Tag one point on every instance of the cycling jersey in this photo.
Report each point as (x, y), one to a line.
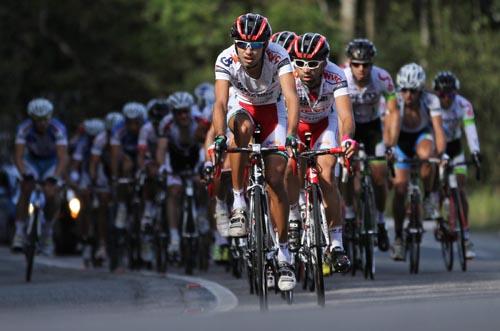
(429, 107)
(82, 150)
(460, 113)
(262, 91)
(148, 135)
(100, 147)
(366, 100)
(40, 146)
(120, 136)
(315, 107)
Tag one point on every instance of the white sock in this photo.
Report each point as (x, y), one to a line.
(219, 240)
(380, 217)
(302, 197)
(148, 204)
(239, 199)
(466, 234)
(435, 198)
(174, 235)
(283, 254)
(19, 228)
(220, 206)
(336, 235)
(294, 212)
(349, 212)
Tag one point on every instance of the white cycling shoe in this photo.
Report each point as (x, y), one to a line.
(286, 280)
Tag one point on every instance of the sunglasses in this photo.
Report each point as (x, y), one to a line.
(443, 94)
(411, 90)
(313, 64)
(364, 65)
(249, 44)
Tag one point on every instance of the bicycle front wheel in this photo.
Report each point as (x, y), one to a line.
(260, 260)
(460, 219)
(317, 252)
(414, 234)
(30, 247)
(368, 233)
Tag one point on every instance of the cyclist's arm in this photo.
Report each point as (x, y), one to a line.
(18, 158)
(94, 161)
(470, 129)
(220, 106)
(141, 156)
(439, 135)
(62, 160)
(345, 115)
(161, 150)
(392, 122)
(292, 101)
(209, 139)
(115, 157)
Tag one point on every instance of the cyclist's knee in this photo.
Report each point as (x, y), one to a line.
(175, 192)
(400, 188)
(424, 150)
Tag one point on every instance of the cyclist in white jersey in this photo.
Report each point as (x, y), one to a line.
(420, 119)
(458, 114)
(41, 154)
(261, 74)
(323, 103)
(368, 84)
(205, 98)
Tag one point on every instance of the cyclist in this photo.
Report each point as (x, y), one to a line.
(368, 84)
(40, 154)
(323, 102)
(205, 98)
(261, 75)
(285, 39)
(124, 139)
(181, 139)
(420, 118)
(80, 178)
(458, 115)
(100, 174)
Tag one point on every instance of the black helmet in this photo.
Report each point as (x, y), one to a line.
(311, 46)
(445, 81)
(285, 39)
(158, 108)
(361, 51)
(251, 27)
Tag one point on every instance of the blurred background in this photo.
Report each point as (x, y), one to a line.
(90, 57)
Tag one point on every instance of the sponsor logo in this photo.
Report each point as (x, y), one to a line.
(332, 76)
(227, 61)
(273, 57)
(387, 80)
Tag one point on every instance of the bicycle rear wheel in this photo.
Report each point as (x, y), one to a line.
(317, 252)
(260, 260)
(30, 247)
(460, 219)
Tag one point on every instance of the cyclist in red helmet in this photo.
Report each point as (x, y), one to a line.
(261, 74)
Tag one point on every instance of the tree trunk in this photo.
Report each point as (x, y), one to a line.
(370, 9)
(347, 20)
(425, 36)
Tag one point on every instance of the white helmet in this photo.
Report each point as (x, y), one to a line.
(134, 110)
(113, 119)
(40, 108)
(181, 100)
(205, 91)
(93, 126)
(411, 76)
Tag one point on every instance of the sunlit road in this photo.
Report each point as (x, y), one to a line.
(64, 296)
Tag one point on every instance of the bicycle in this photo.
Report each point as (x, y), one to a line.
(262, 245)
(447, 232)
(361, 238)
(315, 237)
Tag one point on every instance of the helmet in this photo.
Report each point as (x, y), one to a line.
(251, 27)
(40, 108)
(181, 100)
(134, 110)
(411, 76)
(93, 126)
(311, 46)
(113, 119)
(158, 108)
(285, 39)
(445, 81)
(361, 51)
(205, 91)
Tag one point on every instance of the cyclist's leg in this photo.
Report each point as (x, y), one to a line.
(461, 173)
(124, 190)
(379, 180)
(174, 207)
(104, 197)
(148, 194)
(424, 150)
(400, 185)
(27, 186)
(51, 210)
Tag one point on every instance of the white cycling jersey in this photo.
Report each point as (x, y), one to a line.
(366, 100)
(315, 107)
(460, 113)
(148, 135)
(429, 107)
(262, 91)
(99, 144)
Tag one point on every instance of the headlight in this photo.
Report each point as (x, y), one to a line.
(74, 207)
(31, 209)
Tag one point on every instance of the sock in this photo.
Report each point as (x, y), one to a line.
(219, 240)
(20, 228)
(220, 205)
(239, 199)
(349, 212)
(466, 234)
(435, 198)
(294, 212)
(174, 235)
(380, 217)
(302, 197)
(283, 254)
(336, 235)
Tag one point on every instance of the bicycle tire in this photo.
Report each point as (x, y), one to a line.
(460, 219)
(414, 227)
(369, 241)
(31, 247)
(447, 252)
(350, 246)
(318, 247)
(259, 249)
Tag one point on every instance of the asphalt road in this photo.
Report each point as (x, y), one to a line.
(63, 296)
